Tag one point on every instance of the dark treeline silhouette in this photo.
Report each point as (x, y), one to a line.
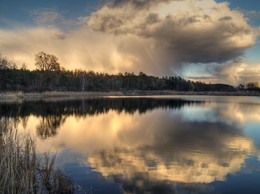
(50, 76)
(92, 106)
(63, 80)
(53, 114)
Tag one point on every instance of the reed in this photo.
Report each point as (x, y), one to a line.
(23, 171)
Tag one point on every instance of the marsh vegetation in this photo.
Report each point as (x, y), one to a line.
(24, 171)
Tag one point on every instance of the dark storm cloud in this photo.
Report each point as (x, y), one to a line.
(199, 32)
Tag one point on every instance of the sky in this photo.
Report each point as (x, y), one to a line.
(213, 41)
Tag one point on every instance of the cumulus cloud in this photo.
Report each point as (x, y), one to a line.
(233, 72)
(190, 31)
(159, 37)
(240, 73)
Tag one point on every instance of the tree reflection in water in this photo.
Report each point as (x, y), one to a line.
(53, 114)
(48, 125)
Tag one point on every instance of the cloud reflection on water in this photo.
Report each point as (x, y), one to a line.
(191, 144)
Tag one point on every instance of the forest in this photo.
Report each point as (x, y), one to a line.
(50, 76)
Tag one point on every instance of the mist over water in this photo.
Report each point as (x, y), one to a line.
(147, 145)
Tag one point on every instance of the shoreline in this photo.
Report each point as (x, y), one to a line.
(55, 95)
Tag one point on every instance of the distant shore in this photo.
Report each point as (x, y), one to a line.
(57, 95)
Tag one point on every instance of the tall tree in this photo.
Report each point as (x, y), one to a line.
(46, 62)
(50, 70)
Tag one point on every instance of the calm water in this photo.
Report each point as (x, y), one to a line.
(148, 145)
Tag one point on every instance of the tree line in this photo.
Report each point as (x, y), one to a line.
(50, 76)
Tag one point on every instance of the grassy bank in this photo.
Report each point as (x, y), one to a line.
(20, 96)
(23, 171)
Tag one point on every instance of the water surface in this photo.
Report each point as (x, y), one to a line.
(178, 144)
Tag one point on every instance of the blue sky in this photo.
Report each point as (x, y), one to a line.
(21, 10)
(65, 16)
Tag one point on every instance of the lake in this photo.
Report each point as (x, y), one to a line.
(170, 144)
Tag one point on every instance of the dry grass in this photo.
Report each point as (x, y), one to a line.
(55, 95)
(58, 95)
(23, 171)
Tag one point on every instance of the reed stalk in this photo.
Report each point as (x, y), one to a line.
(24, 171)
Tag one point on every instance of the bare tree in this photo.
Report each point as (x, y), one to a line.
(46, 62)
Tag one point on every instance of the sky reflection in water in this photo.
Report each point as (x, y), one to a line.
(151, 145)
